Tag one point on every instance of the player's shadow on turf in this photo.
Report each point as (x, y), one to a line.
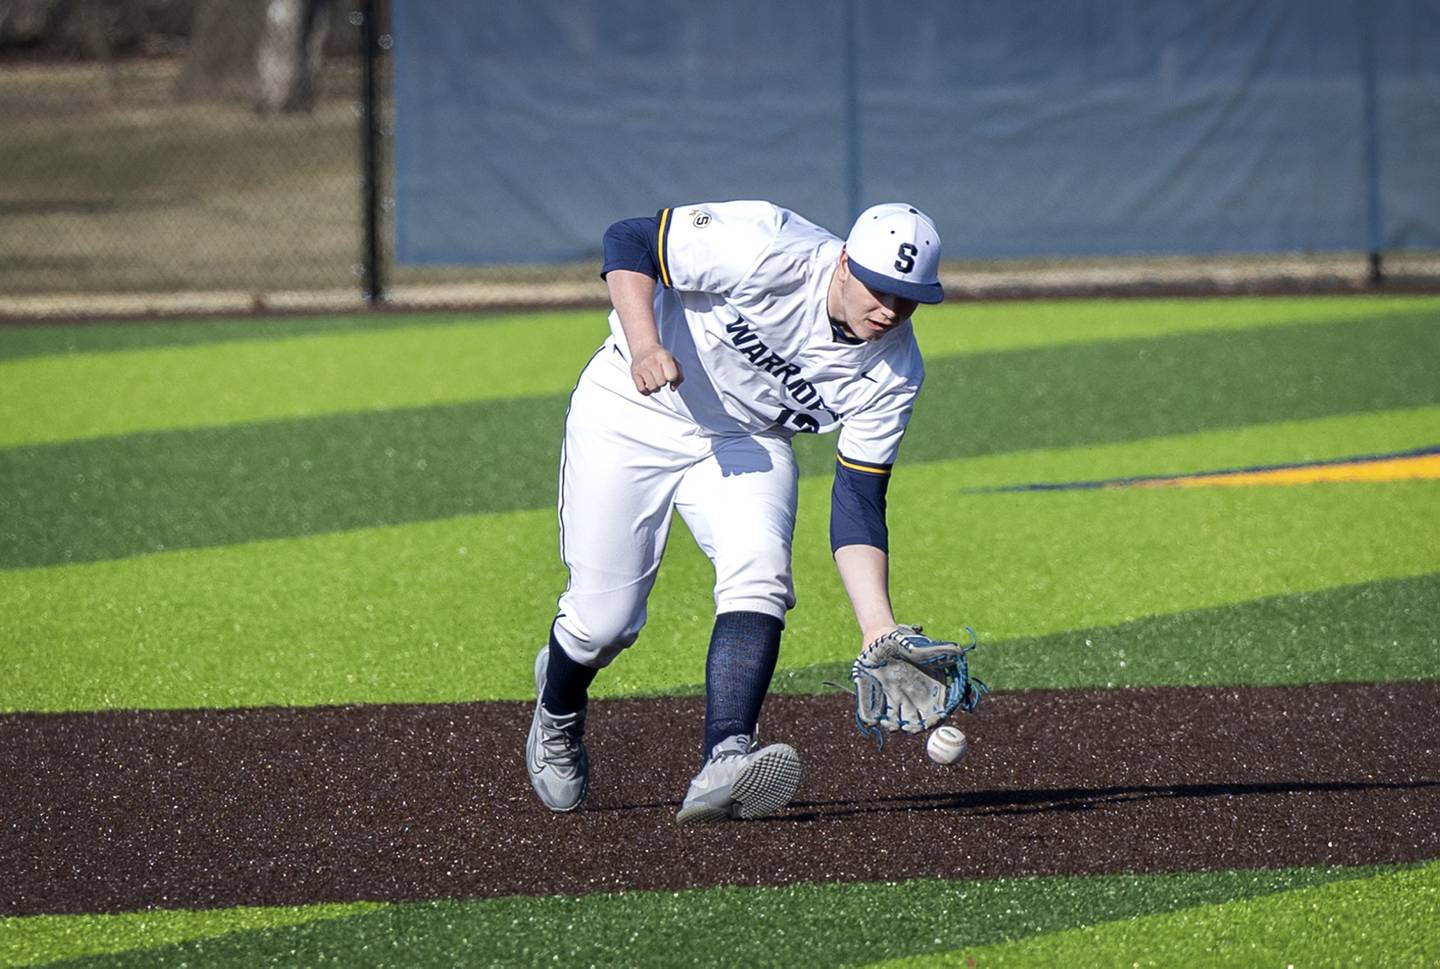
(1039, 801)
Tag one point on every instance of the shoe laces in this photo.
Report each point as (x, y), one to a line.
(737, 745)
(560, 736)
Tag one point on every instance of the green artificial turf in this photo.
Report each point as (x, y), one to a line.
(20, 340)
(1017, 566)
(425, 609)
(112, 497)
(361, 510)
(1383, 920)
(144, 493)
(306, 367)
(53, 398)
(38, 939)
(439, 610)
(1089, 394)
(1373, 631)
(1274, 444)
(944, 330)
(796, 925)
(979, 327)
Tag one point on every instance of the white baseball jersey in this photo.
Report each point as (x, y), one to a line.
(742, 306)
(741, 303)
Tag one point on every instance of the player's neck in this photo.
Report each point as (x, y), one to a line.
(835, 306)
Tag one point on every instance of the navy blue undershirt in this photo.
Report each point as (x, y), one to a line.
(857, 508)
(631, 244)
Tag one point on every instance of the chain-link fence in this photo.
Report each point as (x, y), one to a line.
(126, 174)
(180, 155)
(188, 153)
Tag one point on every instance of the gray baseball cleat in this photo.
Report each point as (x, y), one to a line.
(739, 781)
(555, 753)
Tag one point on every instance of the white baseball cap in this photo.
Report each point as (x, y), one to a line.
(894, 248)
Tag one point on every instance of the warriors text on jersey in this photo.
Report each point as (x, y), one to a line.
(742, 306)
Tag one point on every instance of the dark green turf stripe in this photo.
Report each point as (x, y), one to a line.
(45, 339)
(115, 497)
(1386, 630)
(1106, 392)
(801, 925)
(149, 492)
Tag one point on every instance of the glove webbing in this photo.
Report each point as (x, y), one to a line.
(962, 691)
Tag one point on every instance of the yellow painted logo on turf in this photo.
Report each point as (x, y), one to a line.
(1419, 465)
(1409, 467)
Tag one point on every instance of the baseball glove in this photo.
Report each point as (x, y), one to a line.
(908, 681)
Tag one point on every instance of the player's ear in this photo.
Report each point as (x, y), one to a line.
(843, 265)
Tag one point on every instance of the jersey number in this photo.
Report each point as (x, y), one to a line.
(906, 260)
(797, 420)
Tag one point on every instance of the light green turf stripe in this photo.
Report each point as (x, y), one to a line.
(794, 925)
(1384, 920)
(58, 337)
(86, 395)
(980, 327)
(48, 938)
(451, 610)
(1284, 442)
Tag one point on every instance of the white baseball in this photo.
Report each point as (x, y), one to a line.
(947, 745)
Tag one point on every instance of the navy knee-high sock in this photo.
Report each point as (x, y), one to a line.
(567, 683)
(743, 649)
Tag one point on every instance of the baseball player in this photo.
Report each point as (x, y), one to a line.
(736, 326)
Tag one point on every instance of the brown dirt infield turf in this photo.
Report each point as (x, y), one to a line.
(118, 811)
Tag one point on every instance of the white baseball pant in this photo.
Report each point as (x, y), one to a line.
(627, 462)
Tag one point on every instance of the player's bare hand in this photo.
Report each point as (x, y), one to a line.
(653, 368)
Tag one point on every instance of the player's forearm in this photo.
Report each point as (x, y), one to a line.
(633, 296)
(651, 366)
(865, 573)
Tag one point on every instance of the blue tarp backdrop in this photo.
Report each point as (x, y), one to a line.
(1030, 127)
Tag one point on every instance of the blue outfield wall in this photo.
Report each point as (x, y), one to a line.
(1026, 128)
